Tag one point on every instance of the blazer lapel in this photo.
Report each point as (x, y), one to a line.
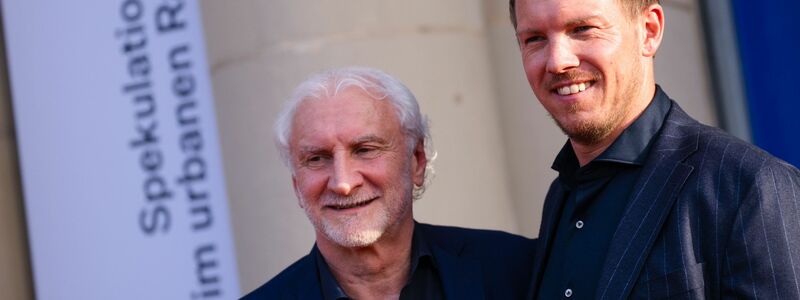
(550, 214)
(461, 278)
(653, 196)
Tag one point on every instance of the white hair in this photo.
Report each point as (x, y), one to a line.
(375, 83)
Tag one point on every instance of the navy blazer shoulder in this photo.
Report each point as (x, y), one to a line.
(711, 217)
(298, 281)
(708, 144)
(473, 264)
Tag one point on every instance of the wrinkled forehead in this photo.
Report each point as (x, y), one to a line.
(347, 115)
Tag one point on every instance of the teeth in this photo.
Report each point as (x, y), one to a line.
(572, 89)
(351, 205)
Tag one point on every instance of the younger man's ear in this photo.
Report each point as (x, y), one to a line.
(653, 21)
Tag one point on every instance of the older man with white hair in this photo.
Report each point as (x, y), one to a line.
(355, 142)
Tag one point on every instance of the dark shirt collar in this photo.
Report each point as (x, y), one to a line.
(331, 289)
(632, 146)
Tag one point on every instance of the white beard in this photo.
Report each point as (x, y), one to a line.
(353, 232)
(362, 230)
(366, 228)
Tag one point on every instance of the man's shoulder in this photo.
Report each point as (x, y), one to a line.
(505, 260)
(288, 283)
(477, 241)
(717, 147)
(722, 157)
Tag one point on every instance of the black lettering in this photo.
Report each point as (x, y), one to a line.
(191, 141)
(155, 188)
(205, 294)
(134, 86)
(194, 169)
(149, 104)
(174, 60)
(204, 212)
(184, 118)
(195, 196)
(167, 17)
(157, 219)
(135, 38)
(131, 10)
(183, 85)
(206, 264)
(147, 135)
(139, 66)
(151, 160)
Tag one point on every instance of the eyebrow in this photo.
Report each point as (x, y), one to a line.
(310, 149)
(571, 23)
(360, 140)
(370, 138)
(582, 20)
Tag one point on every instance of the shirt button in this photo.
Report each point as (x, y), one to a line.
(579, 224)
(568, 293)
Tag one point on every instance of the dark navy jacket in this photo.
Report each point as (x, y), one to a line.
(711, 217)
(473, 264)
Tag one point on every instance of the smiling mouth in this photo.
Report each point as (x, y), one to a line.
(344, 206)
(573, 88)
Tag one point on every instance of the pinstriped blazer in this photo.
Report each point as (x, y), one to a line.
(712, 217)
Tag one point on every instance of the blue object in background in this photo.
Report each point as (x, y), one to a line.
(769, 45)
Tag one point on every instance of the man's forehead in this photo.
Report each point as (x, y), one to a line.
(347, 100)
(533, 14)
(324, 123)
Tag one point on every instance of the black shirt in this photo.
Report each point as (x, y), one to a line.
(597, 195)
(424, 282)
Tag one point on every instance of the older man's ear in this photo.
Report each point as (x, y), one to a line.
(418, 163)
(297, 192)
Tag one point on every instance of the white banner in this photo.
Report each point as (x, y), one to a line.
(119, 153)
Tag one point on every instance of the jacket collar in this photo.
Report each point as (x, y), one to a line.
(462, 278)
(638, 227)
(653, 196)
(647, 205)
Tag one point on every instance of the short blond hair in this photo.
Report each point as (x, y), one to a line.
(631, 7)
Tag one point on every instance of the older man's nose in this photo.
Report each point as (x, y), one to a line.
(345, 178)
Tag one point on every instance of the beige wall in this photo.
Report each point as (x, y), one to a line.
(495, 142)
(681, 66)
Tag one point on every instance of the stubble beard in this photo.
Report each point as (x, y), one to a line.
(361, 230)
(590, 132)
(593, 132)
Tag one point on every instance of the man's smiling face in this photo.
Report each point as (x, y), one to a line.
(583, 61)
(353, 171)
